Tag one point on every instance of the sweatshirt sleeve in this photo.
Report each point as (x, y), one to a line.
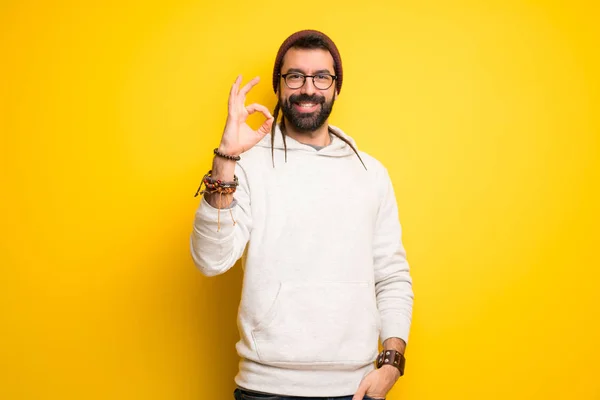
(393, 283)
(216, 242)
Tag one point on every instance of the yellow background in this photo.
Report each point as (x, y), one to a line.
(485, 113)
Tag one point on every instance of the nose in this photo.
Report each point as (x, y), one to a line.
(308, 87)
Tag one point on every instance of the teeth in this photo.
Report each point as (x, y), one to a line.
(307, 105)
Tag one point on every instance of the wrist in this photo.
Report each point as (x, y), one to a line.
(393, 371)
(393, 359)
(396, 344)
(223, 168)
(226, 156)
(225, 149)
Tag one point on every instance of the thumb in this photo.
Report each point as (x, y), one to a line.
(361, 391)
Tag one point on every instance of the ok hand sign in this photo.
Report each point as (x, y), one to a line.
(238, 137)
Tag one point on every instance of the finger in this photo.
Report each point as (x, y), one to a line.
(248, 86)
(252, 108)
(266, 126)
(231, 96)
(237, 83)
(361, 391)
(234, 91)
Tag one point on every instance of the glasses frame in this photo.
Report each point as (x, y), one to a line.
(334, 77)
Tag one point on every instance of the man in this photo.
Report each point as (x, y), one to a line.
(325, 272)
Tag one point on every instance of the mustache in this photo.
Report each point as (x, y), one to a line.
(303, 97)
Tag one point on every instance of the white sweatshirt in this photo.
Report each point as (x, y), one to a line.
(325, 272)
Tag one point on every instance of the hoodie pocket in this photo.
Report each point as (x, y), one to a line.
(320, 323)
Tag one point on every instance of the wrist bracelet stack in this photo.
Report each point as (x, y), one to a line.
(218, 186)
(212, 185)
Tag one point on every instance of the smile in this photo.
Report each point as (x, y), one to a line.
(306, 107)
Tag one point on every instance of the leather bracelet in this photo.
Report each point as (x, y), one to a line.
(393, 358)
(227, 156)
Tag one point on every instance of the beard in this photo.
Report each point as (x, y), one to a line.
(306, 122)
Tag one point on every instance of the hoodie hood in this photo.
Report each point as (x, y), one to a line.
(337, 147)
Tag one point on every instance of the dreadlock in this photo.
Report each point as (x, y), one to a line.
(343, 139)
(275, 115)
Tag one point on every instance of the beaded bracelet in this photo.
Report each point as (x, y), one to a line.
(213, 185)
(227, 156)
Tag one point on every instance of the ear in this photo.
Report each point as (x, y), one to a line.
(335, 94)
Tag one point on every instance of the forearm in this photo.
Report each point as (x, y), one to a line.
(220, 235)
(217, 242)
(394, 299)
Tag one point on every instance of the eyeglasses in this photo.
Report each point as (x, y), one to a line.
(295, 80)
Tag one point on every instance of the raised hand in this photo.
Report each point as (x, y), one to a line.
(238, 137)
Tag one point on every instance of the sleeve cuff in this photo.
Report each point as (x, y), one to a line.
(399, 329)
(213, 223)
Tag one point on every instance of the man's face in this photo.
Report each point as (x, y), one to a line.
(307, 108)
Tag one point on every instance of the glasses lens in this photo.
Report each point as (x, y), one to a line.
(294, 81)
(323, 81)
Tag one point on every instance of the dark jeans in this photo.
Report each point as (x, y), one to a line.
(243, 394)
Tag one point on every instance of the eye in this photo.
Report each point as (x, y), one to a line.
(294, 77)
(323, 78)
